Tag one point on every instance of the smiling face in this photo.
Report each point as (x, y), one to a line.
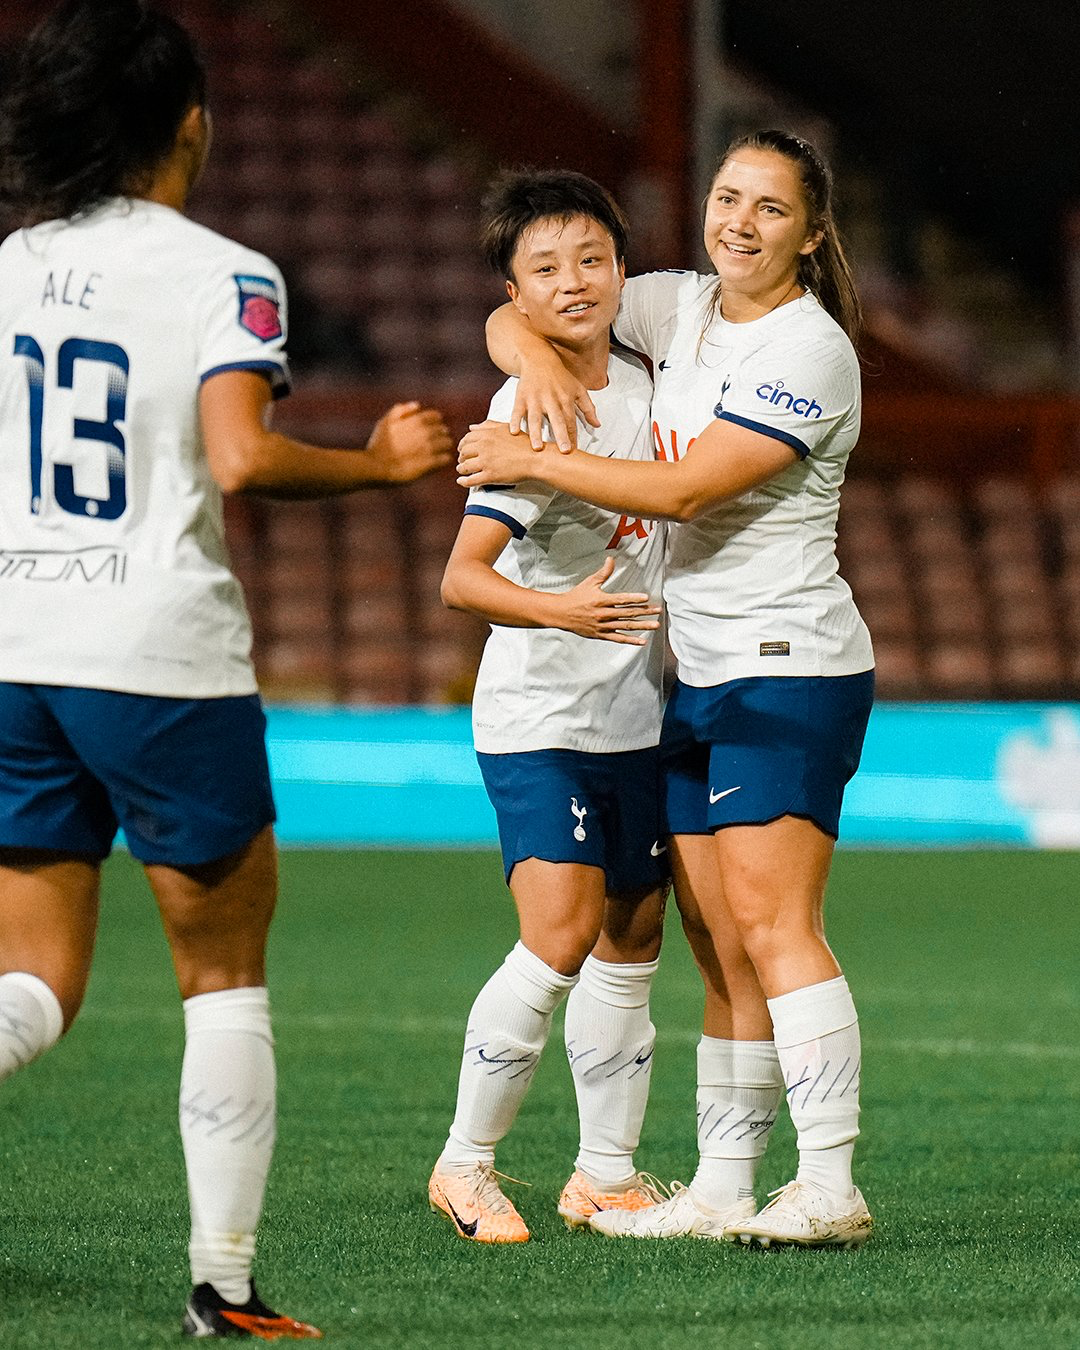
(757, 227)
(567, 281)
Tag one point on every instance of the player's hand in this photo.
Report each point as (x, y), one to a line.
(591, 612)
(546, 389)
(488, 453)
(408, 442)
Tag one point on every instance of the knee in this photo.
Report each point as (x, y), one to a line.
(564, 947)
(764, 936)
(633, 931)
(214, 972)
(642, 947)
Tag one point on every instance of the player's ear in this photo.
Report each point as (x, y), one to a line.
(193, 141)
(515, 296)
(194, 127)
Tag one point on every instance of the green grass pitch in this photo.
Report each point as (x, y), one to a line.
(965, 970)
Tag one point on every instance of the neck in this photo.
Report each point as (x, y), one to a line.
(740, 307)
(588, 364)
(168, 187)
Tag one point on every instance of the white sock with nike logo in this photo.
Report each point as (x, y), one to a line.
(228, 1089)
(609, 1043)
(817, 1039)
(740, 1088)
(508, 1027)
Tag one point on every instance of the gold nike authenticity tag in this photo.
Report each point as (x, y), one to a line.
(774, 649)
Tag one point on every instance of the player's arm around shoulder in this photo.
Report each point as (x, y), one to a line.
(472, 584)
(245, 455)
(725, 461)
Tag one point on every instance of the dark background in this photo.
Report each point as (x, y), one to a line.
(974, 109)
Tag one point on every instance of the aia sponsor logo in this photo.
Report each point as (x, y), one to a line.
(629, 527)
(668, 450)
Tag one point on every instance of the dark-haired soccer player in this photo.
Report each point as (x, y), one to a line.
(566, 719)
(138, 356)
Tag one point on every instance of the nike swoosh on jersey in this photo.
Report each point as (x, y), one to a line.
(658, 848)
(715, 796)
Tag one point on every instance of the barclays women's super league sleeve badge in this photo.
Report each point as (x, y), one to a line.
(260, 307)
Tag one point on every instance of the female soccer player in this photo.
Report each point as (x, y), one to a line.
(755, 412)
(138, 357)
(566, 730)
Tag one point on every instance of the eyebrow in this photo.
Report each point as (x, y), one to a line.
(592, 243)
(771, 201)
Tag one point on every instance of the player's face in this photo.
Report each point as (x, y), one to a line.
(757, 222)
(567, 280)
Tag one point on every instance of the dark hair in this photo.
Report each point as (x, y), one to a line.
(826, 272)
(518, 198)
(93, 105)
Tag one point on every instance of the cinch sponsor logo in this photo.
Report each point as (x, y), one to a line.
(777, 395)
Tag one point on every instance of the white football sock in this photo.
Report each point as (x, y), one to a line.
(228, 1117)
(817, 1039)
(508, 1028)
(740, 1088)
(609, 1043)
(31, 1020)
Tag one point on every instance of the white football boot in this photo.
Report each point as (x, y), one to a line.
(803, 1215)
(681, 1215)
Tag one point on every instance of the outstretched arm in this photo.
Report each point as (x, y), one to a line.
(471, 583)
(546, 389)
(246, 456)
(725, 461)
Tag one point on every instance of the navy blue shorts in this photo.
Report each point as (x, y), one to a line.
(753, 750)
(187, 778)
(570, 806)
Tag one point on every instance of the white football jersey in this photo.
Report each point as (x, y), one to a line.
(542, 688)
(113, 567)
(751, 586)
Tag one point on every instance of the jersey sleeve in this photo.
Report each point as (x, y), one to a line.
(517, 508)
(242, 319)
(648, 305)
(798, 392)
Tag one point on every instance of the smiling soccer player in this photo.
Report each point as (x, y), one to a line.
(566, 719)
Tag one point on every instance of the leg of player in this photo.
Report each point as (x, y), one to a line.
(774, 878)
(48, 920)
(560, 909)
(739, 1082)
(609, 1044)
(216, 917)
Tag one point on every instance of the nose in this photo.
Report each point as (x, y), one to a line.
(571, 280)
(739, 220)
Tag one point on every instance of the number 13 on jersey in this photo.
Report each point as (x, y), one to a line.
(107, 433)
